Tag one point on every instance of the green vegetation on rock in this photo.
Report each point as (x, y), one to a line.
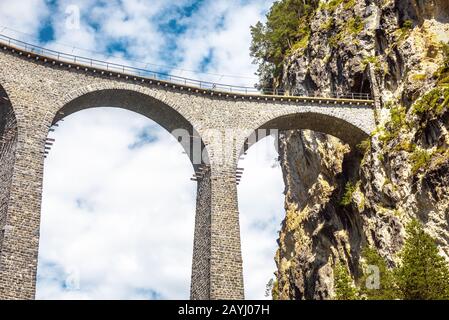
(328, 25)
(347, 196)
(332, 5)
(272, 289)
(343, 283)
(351, 28)
(435, 102)
(422, 273)
(364, 146)
(408, 24)
(355, 25)
(420, 159)
(418, 77)
(286, 30)
(405, 145)
(395, 125)
(403, 32)
(442, 73)
(374, 61)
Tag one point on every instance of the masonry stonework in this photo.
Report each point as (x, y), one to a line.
(200, 283)
(38, 92)
(8, 142)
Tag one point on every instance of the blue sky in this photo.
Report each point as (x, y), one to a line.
(211, 37)
(118, 204)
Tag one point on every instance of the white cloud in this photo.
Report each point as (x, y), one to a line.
(230, 41)
(221, 27)
(25, 16)
(123, 219)
(261, 208)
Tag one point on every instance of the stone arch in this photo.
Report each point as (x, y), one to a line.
(8, 146)
(141, 101)
(338, 127)
(350, 130)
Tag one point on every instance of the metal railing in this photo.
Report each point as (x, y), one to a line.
(143, 73)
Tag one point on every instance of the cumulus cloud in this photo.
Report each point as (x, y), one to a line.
(218, 40)
(117, 221)
(25, 16)
(118, 204)
(202, 39)
(261, 206)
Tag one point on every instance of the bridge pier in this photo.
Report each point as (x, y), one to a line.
(217, 260)
(20, 215)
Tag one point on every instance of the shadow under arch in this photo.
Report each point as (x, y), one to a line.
(8, 146)
(334, 126)
(150, 107)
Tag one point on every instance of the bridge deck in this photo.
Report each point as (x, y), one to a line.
(104, 68)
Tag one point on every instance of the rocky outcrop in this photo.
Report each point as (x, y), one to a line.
(339, 200)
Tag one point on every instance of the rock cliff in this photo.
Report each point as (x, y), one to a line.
(339, 200)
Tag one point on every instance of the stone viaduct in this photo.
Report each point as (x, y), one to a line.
(37, 90)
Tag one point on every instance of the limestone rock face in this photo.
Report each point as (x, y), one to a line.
(401, 173)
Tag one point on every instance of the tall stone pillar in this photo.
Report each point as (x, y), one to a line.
(200, 282)
(226, 253)
(217, 259)
(20, 217)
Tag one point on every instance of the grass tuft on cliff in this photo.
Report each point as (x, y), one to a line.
(347, 196)
(442, 73)
(393, 128)
(435, 101)
(420, 159)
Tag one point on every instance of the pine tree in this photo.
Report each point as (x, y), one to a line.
(343, 283)
(377, 281)
(423, 274)
(287, 25)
